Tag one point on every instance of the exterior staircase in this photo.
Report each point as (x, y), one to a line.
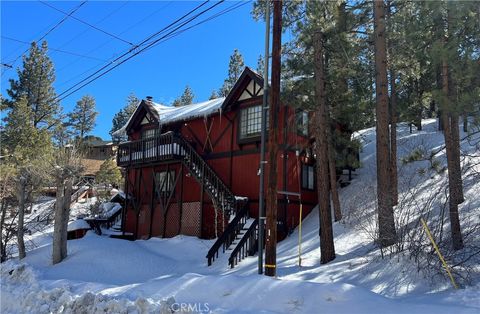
(239, 238)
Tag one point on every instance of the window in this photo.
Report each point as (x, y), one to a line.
(149, 133)
(251, 122)
(302, 122)
(308, 177)
(164, 181)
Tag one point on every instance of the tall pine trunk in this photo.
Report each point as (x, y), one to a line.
(21, 196)
(393, 138)
(456, 150)
(327, 248)
(337, 212)
(386, 222)
(457, 239)
(450, 133)
(57, 256)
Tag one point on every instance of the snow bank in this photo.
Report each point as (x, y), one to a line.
(77, 225)
(21, 292)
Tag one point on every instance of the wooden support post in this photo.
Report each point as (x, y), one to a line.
(271, 232)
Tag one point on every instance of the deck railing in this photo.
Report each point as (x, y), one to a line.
(158, 148)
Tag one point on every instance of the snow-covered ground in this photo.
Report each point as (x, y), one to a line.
(168, 275)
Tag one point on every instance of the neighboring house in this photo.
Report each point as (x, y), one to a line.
(194, 170)
(95, 153)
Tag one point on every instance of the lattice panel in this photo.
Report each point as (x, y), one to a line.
(191, 213)
(173, 221)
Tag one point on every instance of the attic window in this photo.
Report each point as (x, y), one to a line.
(149, 133)
(251, 122)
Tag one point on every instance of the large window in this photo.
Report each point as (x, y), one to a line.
(149, 133)
(164, 181)
(302, 122)
(251, 122)
(308, 177)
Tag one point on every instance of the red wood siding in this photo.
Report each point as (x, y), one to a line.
(216, 139)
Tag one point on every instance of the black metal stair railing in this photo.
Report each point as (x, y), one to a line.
(247, 246)
(230, 233)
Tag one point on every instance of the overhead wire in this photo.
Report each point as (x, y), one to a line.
(86, 23)
(224, 11)
(105, 43)
(55, 49)
(131, 50)
(50, 30)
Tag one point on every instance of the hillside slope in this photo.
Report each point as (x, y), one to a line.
(159, 275)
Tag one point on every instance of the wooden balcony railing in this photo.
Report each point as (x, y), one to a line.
(158, 148)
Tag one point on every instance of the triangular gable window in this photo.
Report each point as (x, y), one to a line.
(252, 90)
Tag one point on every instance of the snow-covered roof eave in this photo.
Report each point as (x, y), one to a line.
(169, 115)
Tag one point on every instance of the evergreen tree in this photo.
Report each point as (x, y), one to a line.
(109, 173)
(28, 150)
(35, 84)
(235, 68)
(213, 95)
(121, 118)
(260, 65)
(82, 118)
(185, 99)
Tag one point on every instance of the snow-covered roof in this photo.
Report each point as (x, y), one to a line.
(78, 224)
(169, 114)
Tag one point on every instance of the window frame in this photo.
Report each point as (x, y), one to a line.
(256, 115)
(144, 132)
(169, 187)
(308, 183)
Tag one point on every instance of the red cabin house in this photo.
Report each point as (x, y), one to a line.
(194, 170)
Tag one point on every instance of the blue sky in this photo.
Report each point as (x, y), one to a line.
(198, 57)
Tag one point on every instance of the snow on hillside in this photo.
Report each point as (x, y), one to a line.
(163, 275)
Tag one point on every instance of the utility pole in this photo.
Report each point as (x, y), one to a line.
(271, 236)
(261, 198)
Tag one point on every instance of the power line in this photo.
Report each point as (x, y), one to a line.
(86, 23)
(108, 41)
(50, 30)
(224, 11)
(133, 48)
(138, 52)
(54, 49)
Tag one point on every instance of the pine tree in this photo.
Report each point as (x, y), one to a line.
(29, 150)
(35, 84)
(213, 95)
(185, 99)
(327, 248)
(235, 68)
(121, 117)
(260, 65)
(109, 173)
(386, 222)
(82, 118)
